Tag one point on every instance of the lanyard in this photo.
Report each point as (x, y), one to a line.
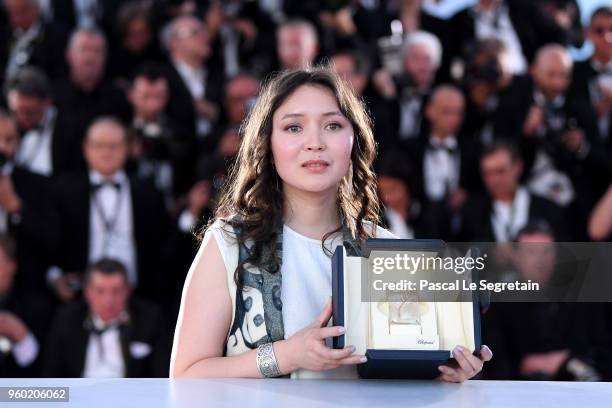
(109, 223)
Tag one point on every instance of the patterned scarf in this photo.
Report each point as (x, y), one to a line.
(266, 281)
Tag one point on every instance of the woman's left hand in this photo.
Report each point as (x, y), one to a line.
(468, 365)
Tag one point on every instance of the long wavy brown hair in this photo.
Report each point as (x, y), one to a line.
(252, 198)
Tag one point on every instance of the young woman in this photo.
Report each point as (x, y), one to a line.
(301, 185)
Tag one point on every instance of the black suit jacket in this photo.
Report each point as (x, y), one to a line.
(436, 217)
(83, 107)
(476, 218)
(47, 50)
(35, 311)
(590, 175)
(180, 108)
(386, 113)
(582, 76)
(66, 145)
(532, 27)
(65, 14)
(516, 330)
(33, 254)
(176, 145)
(469, 176)
(69, 336)
(69, 226)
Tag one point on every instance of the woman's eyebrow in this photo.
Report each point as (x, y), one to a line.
(293, 115)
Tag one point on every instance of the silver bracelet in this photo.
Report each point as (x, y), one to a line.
(266, 361)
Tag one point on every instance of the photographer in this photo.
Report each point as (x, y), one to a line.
(399, 105)
(242, 36)
(195, 84)
(159, 148)
(522, 26)
(240, 95)
(105, 213)
(49, 142)
(552, 341)
(23, 196)
(557, 134)
(485, 81)
(108, 333)
(23, 325)
(592, 80)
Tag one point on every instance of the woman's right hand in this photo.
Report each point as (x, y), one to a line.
(306, 349)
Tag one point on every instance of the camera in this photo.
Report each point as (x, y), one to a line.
(488, 72)
(154, 140)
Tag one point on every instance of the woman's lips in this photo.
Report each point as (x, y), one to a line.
(315, 166)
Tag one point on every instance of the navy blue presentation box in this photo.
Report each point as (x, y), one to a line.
(449, 322)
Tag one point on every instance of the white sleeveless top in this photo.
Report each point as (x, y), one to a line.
(306, 282)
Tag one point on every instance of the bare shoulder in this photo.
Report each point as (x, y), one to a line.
(205, 294)
(221, 228)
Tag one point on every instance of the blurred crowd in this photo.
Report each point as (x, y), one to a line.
(119, 121)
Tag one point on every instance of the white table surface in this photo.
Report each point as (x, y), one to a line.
(136, 393)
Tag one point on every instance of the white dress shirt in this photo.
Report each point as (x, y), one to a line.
(495, 23)
(26, 350)
(410, 117)
(86, 12)
(195, 81)
(398, 225)
(35, 149)
(509, 218)
(441, 167)
(115, 240)
(104, 358)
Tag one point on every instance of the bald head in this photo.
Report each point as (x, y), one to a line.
(552, 70)
(105, 146)
(446, 92)
(105, 125)
(445, 110)
(553, 54)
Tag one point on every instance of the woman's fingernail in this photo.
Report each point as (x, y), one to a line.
(442, 369)
(363, 359)
(352, 348)
(341, 330)
(458, 349)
